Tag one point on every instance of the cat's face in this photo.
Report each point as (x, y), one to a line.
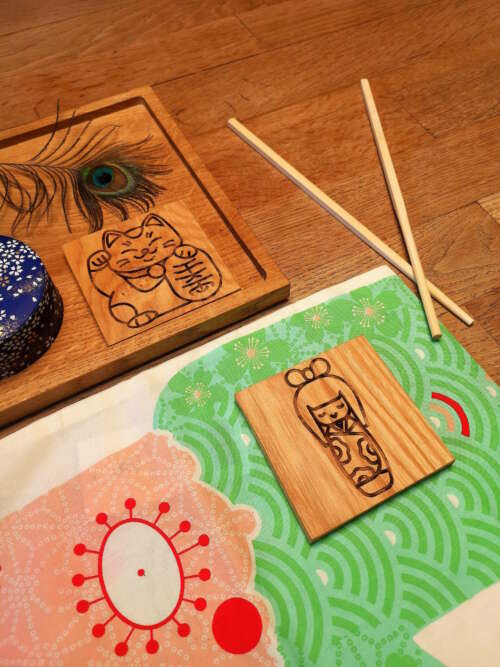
(134, 251)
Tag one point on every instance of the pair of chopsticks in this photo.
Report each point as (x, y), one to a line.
(400, 208)
(414, 271)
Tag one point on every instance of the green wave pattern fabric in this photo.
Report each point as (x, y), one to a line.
(358, 596)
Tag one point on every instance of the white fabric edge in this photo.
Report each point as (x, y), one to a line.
(55, 448)
(163, 372)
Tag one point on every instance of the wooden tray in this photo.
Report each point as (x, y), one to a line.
(80, 357)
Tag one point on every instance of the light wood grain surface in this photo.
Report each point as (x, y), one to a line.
(290, 70)
(366, 442)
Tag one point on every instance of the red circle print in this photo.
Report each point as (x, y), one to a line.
(183, 629)
(152, 646)
(78, 580)
(99, 629)
(200, 604)
(82, 606)
(237, 625)
(130, 503)
(121, 649)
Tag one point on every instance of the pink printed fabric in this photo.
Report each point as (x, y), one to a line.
(130, 562)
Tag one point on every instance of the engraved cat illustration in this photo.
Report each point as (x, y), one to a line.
(148, 271)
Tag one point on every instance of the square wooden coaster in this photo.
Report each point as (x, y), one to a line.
(341, 435)
(157, 268)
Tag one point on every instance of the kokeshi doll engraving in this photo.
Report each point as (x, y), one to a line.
(332, 411)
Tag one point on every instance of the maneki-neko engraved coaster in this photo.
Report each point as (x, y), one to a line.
(159, 267)
(341, 435)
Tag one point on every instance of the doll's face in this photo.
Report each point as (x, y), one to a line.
(330, 412)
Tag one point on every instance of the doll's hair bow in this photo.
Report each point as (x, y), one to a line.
(319, 367)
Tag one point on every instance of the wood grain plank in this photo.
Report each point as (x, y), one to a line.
(117, 56)
(487, 308)
(491, 204)
(295, 21)
(156, 21)
(172, 14)
(283, 76)
(457, 98)
(328, 136)
(437, 175)
(462, 250)
(451, 88)
(238, 6)
(18, 16)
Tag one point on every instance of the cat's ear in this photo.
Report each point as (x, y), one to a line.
(108, 238)
(153, 219)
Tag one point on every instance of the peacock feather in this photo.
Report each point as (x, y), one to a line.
(86, 167)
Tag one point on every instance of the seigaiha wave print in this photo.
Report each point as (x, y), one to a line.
(359, 596)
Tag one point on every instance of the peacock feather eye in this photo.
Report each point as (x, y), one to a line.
(108, 180)
(101, 175)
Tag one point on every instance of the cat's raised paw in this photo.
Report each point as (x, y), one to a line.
(98, 260)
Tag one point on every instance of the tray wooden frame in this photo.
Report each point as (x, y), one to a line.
(80, 357)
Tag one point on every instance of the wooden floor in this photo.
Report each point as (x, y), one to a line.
(291, 71)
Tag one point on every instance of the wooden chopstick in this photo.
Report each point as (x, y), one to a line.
(341, 214)
(400, 208)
